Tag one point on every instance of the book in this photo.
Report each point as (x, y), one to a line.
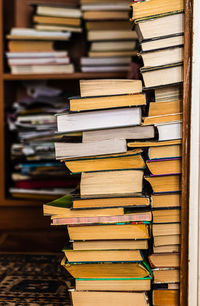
(166, 229)
(163, 75)
(166, 297)
(84, 298)
(123, 201)
(112, 45)
(71, 150)
(128, 160)
(111, 183)
(34, 55)
(105, 68)
(160, 28)
(117, 6)
(169, 131)
(58, 11)
(165, 183)
(103, 61)
(102, 15)
(98, 218)
(57, 28)
(38, 61)
(110, 245)
(167, 249)
(113, 284)
(94, 35)
(162, 43)
(102, 119)
(110, 87)
(164, 166)
(32, 34)
(107, 270)
(154, 7)
(165, 200)
(115, 53)
(166, 275)
(162, 57)
(166, 215)
(90, 256)
(166, 240)
(129, 133)
(108, 25)
(168, 260)
(165, 108)
(109, 232)
(36, 69)
(94, 103)
(168, 93)
(151, 143)
(51, 20)
(31, 46)
(162, 119)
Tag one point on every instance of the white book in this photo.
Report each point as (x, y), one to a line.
(99, 119)
(104, 68)
(70, 150)
(111, 35)
(29, 32)
(90, 61)
(35, 69)
(165, 42)
(123, 6)
(169, 131)
(39, 61)
(113, 45)
(23, 55)
(48, 10)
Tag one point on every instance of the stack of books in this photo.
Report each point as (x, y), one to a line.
(43, 49)
(160, 30)
(112, 43)
(35, 173)
(109, 219)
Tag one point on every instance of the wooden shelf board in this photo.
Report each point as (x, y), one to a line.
(76, 75)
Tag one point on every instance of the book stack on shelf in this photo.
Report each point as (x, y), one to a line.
(112, 43)
(109, 219)
(160, 31)
(43, 48)
(35, 173)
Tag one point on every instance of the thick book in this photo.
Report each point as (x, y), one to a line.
(111, 183)
(162, 119)
(159, 28)
(113, 45)
(76, 22)
(96, 217)
(71, 150)
(89, 256)
(162, 57)
(109, 87)
(168, 93)
(165, 183)
(103, 15)
(102, 119)
(166, 200)
(171, 215)
(165, 108)
(58, 11)
(138, 200)
(109, 232)
(31, 46)
(78, 104)
(167, 249)
(129, 133)
(109, 25)
(169, 131)
(107, 270)
(110, 245)
(131, 159)
(150, 8)
(36, 69)
(166, 297)
(114, 284)
(162, 43)
(162, 75)
(164, 166)
(166, 229)
(88, 298)
(168, 260)
(160, 241)
(166, 275)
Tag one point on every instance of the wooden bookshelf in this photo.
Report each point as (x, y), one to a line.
(20, 219)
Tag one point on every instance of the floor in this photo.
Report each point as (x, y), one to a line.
(32, 280)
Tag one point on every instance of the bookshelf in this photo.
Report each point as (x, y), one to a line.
(21, 221)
